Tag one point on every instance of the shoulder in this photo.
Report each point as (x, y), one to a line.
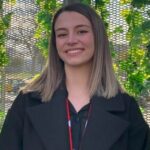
(131, 104)
(133, 110)
(128, 100)
(24, 100)
(125, 101)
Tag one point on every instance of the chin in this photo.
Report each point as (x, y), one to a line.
(77, 64)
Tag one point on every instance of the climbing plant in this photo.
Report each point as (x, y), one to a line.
(4, 25)
(137, 63)
(43, 20)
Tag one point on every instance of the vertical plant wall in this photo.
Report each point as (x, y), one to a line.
(137, 63)
(43, 20)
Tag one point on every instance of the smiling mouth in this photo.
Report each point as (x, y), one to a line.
(74, 51)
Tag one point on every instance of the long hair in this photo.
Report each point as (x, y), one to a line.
(102, 80)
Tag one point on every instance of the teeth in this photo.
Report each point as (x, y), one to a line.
(73, 51)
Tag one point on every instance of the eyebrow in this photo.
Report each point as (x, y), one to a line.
(78, 26)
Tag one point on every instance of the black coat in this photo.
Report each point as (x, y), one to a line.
(115, 124)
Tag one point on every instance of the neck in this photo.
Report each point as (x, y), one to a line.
(77, 77)
(77, 83)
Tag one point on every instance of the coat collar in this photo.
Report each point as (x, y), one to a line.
(104, 128)
(49, 120)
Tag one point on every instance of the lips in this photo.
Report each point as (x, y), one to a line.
(74, 51)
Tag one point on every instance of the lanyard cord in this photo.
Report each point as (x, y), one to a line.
(70, 126)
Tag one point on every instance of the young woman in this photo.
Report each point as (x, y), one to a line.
(76, 103)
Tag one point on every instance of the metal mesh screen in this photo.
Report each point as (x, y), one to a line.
(121, 45)
(26, 60)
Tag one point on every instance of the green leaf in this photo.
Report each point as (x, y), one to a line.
(1, 4)
(140, 3)
(137, 3)
(6, 20)
(3, 57)
(118, 29)
(43, 47)
(123, 2)
(86, 1)
(146, 25)
(12, 2)
(148, 12)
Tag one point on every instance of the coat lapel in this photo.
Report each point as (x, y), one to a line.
(104, 128)
(49, 121)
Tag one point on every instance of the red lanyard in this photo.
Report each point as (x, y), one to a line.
(69, 123)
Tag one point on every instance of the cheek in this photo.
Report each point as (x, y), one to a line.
(57, 44)
(93, 43)
(91, 46)
(90, 42)
(89, 39)
(60, 45)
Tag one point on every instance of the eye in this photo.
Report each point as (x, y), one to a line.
(62, 35)
(82, 31)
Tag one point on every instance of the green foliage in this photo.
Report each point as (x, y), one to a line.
(135, 3)
(135, 67)
(118, 29)
(86, 1)
(43, 20)
(137, 64)
(3, 57)
(2, 117)
(140, 3)
(12, 2)
(101, 7)
(4, 25)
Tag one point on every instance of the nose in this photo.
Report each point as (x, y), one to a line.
(72, 39)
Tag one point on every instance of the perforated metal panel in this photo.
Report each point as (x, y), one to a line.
(25, 59)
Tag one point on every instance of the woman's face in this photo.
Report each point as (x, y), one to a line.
(74, 39)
